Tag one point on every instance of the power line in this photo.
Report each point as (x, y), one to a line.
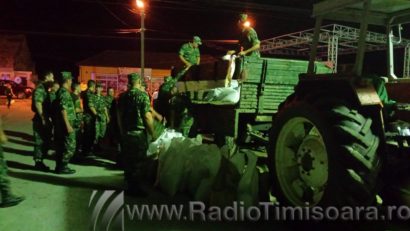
(113, 14)
(96, 36)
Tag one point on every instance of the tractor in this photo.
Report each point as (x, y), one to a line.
(338, 139)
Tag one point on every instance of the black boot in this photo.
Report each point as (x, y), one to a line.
(64, 169)
(9, 200)
(40, 166)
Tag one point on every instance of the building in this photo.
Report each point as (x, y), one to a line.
(15, 59)
(111, 68)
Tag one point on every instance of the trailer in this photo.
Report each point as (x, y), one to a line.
(263, 85)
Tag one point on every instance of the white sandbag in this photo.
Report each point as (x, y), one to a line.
(171, 166)
(163, 142)
(212, 94)
(224, 94)
(173, 163)
(204, 165)
(230, 95)
(248, 186)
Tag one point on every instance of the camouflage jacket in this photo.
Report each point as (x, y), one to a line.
(40, 95)
(248, 39)
(189, 53)
(64, 102)
(100, 104)
(88, 102)
(133, 105)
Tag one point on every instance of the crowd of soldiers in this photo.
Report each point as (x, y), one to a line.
(77, 122)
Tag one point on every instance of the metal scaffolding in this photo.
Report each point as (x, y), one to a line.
(334, 40)
(406, 64)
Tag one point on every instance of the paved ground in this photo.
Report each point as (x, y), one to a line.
(58, 203)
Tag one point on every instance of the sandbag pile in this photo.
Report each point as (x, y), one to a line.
(207, 173)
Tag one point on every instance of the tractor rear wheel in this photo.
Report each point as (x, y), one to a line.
(323, 154)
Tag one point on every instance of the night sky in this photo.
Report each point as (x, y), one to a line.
(63, 32)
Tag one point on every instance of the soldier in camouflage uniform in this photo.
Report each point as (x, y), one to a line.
(248, 41)
(51, 98)
(189, 52)
(7, 199)
(249, 45)
(111, 107)
(42, 128)
(136, 120)
(89, 119)
(109, 98)
(75, 94)
(65, 118)
(102, 116)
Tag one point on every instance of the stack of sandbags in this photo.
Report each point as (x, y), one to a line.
(188, 166)
(237, 180)
(208, 173)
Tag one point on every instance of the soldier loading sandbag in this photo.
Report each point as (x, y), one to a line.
(137, 127)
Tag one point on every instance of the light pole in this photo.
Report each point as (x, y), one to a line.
(141, 7)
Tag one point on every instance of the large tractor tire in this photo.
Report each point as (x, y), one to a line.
(323, 154)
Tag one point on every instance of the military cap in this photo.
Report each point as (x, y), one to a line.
(65, 75)
(98, 85)
(197, 40)
(133, 77)
(243, 17)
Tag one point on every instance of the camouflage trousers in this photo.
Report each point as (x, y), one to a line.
(134, 147)
(4, 181)
(78, 137)
(100, 128)
(65, 146)
(42, 136)
(89, 133)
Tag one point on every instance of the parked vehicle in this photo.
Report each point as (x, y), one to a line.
(20, 91)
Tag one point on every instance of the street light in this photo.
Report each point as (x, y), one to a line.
(141, 7)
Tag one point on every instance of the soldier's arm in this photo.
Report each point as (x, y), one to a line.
(39, 108)
(91, 105)
(147, 117)
(181, 56)
(38, 103)
(156, 115)
(184, 61)
(149, 123)
(106, 114)
(65, 98)
(66, 122)
(255, 43)
(254, 48)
